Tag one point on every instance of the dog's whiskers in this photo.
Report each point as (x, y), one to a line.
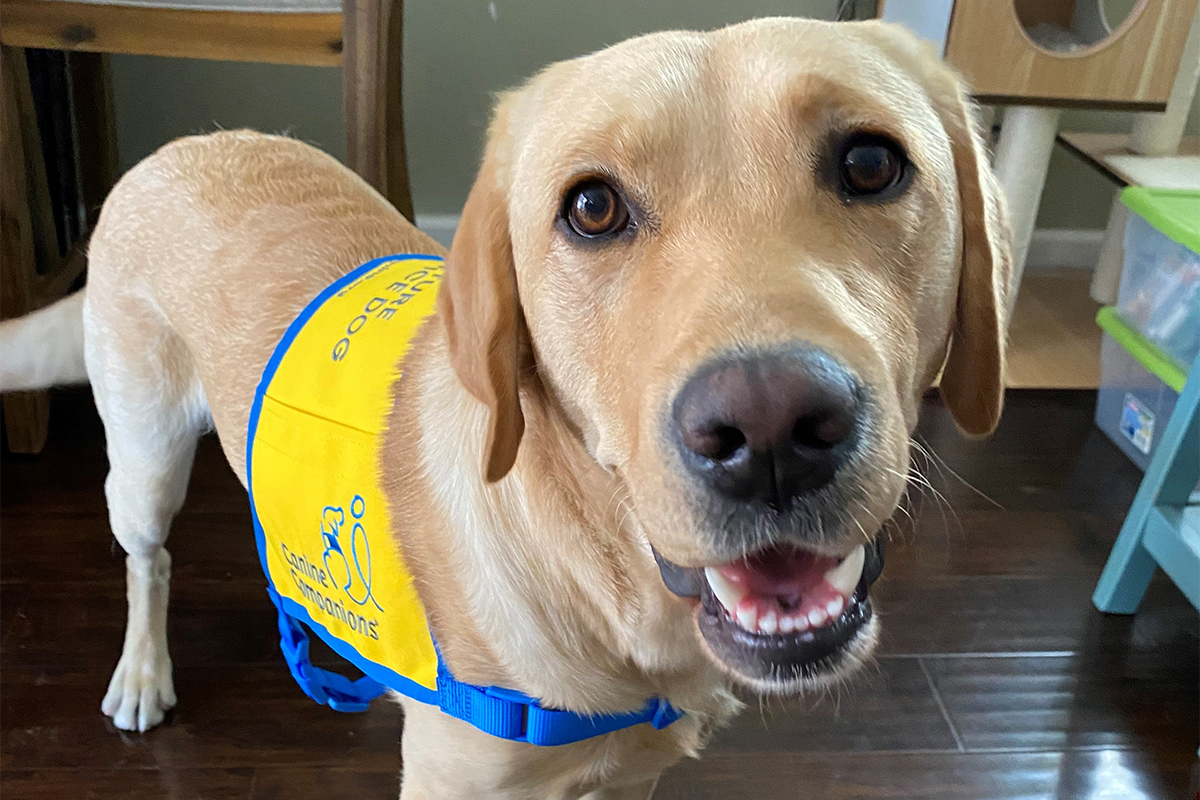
(920, 480)
(866, 512)
(942, 467)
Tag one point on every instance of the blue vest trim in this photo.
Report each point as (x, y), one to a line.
(503, 713)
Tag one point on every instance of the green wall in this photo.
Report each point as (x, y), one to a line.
(457, 53)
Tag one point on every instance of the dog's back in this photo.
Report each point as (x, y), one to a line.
(246, 225)
(246, 229)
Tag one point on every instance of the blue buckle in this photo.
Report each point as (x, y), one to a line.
(549, 727)
(512, 715)
(490, 709)
(664, 714)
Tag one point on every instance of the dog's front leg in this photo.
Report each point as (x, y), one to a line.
(446, 759)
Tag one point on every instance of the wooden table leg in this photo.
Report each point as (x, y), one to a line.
(91, 91)
(372, 33)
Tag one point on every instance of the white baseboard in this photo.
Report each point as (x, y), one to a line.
(1077, 248)
(1050, 248)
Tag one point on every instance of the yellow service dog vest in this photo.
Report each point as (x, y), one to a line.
(324, 529)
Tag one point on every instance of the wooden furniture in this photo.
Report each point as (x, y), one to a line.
(1127, 64)
(1162, 528)
(34, 270)
(1059, 53)
(1040, 56)
(285, 38)
(1095, 149)
(363, 36)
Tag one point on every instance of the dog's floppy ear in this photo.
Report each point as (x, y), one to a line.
(481, 312)
(972, 382)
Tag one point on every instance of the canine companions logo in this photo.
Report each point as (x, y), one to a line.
(356, 582)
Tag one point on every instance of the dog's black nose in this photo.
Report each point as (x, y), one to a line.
(768, 428)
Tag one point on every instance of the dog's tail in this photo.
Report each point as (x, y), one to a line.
(45, 348)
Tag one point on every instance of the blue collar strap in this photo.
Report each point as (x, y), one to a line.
(503, 713)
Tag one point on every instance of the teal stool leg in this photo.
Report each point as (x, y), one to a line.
(1128, 572)
(1170, 478)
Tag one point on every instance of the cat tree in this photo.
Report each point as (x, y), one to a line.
(1038, 57)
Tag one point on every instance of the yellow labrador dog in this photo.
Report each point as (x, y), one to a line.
(649, 437)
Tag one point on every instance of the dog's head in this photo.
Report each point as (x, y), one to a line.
(737, 260)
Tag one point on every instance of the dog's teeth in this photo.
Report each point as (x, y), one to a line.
(744, 609)
(726, 593)
(845, 576)
(747, 616)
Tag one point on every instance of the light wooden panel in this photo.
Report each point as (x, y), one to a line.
(1095, 147)
(1134, 68)
(314, 39)
(1053, 340)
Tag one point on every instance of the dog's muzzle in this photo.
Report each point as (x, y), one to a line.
(783, 614)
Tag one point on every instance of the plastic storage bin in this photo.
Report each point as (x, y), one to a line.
(1160, 281)
(1139, 387)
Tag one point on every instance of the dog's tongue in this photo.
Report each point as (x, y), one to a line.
(779, 572)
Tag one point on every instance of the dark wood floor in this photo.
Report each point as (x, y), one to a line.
(997, 678)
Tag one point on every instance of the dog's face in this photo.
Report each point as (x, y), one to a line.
(737, 260)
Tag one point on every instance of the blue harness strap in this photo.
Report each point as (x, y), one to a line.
(512, 715)
(327, 688)
(504, 713)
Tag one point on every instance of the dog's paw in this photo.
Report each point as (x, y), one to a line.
(141, 691)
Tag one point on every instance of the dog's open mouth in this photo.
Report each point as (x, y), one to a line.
(782, 615)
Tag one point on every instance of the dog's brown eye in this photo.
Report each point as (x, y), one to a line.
(595, 209)
(871, 165)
